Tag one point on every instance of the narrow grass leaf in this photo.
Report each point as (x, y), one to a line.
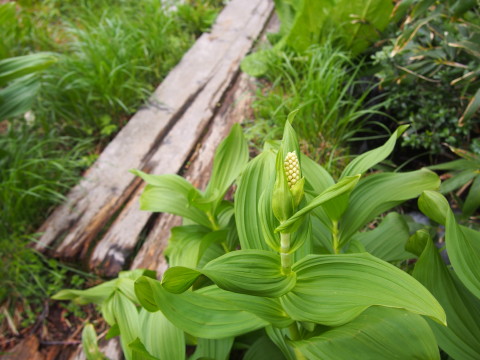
(334, 289)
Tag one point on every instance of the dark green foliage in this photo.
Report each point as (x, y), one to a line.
(429, 67)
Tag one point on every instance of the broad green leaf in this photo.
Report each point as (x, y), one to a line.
(197, 314)
(256, 64)
(139, 352)
(257, 177)
(267, 221)
(263, 349)
(331, 195)
(269, 309)
(334, 289)
(126, 316)
(278, 337)
(434, 205)
(460, 164)
(379, 193)
(18, 97)
(317, 178)
(184, 245)
(215, 349)
(461, 338)
(95, 295)
(458, 180)
(463, 249)
(472, 202)
(230, 158)
(161, 338)
(376, 334)
(170, 193)
(387, 241)
(253, 272)
(90, 345)
(371, 158)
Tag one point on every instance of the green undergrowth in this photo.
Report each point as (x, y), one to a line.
(333, 103)
(110, 56)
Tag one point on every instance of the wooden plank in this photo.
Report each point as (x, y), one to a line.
(233, 110)
(111, 252)
(108, 184)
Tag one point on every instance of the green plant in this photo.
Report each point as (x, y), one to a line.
(463, 173)
(303, 281)
(430, 67)
(333, 105)
(354, 25)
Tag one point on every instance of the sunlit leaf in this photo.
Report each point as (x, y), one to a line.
(378, 333)
(334, 289)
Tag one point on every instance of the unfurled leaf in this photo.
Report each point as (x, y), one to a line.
(461, 338)
(371, 158)
(379, 193)
(256, 178)
(263, 349)
(472, 202)
(215, 349)
(387, 241)
(170, 193)
(463, 247)
(230, 158)
(334, 289)
(434, 205)
(161, 338)
(197, 314)
(377, 334)
(253, 272)
(328, 196)
(139, 352)
(90, 345)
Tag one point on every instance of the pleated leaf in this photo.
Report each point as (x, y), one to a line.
(335, 289)
(230, 158)
(376, 334)
(161, 338)
(253, 272)
(387, 241)
(328, 197)
(214, 349)
(268, 309)
(317, 178)
(170, 193)
(263, 349)
(463, 247)
(371, 158)
(197, 314)
(379, 193)
(461, 338)
(258, 176)
(184, 245)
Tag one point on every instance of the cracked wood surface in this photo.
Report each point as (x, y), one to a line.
(168, 127)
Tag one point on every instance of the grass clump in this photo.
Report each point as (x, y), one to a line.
(323, 84)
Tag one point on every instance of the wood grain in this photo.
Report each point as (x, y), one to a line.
(108, 185)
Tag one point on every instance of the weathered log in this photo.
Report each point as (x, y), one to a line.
(181, 96)
(233, 110)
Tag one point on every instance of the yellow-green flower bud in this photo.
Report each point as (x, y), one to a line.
(292, 169)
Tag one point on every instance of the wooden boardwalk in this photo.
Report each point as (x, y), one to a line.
(185, 119)
(176, 131)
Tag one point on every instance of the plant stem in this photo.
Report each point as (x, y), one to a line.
(285, 256)
(213, 221)
(336, 240)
